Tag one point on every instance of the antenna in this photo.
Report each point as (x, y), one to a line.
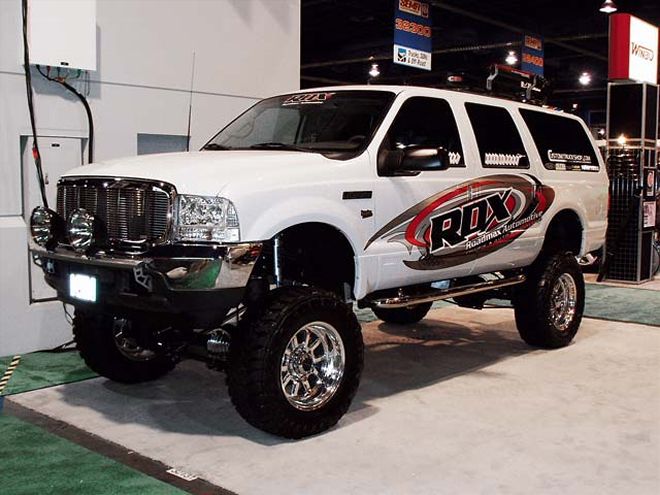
(192, 80)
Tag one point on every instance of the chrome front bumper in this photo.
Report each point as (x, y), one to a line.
(230, 269)
(212, 267)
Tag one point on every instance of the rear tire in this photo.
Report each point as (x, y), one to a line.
(115, 357)
(549, 305)
(403, 316)
(295, 366)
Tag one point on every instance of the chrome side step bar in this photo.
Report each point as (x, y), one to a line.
(401, 300)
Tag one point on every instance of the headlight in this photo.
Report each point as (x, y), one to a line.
(81, 229)
(42, 225)
(206, 218)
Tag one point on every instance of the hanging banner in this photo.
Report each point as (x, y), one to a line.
(633, 49)
(532, 54)
(412, 34)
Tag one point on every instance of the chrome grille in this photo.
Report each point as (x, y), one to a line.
(130, 211)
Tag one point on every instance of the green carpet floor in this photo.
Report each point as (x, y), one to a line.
(37, 462)
(623, 304)
(45, 369)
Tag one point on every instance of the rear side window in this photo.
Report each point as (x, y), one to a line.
(428, 123)
(498, 139)
(562, 142)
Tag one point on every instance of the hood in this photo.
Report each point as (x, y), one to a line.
(209, 172)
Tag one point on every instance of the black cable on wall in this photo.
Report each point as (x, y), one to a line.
(83, 100)
(28, 85)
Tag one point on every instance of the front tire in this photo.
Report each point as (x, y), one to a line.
(403, 316)
(295, 367)
(549, 305)
(109, 349)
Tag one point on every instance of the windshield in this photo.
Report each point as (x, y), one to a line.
(340, 122)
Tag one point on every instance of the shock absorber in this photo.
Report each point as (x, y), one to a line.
(277, 261)
(217, 346)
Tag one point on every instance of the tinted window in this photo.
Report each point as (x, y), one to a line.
(562, 142)
(498, 139)
(427, 123)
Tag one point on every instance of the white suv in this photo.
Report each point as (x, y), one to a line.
(252, 251)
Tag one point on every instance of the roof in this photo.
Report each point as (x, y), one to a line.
(397, 89)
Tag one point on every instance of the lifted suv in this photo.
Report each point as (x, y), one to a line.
(251, 252)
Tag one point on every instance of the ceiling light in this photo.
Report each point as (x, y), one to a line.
(374, 72)
(608, 7)
(511, 58)
(585, 79)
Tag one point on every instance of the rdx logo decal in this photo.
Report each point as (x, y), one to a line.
(456, 226)
(468, 221)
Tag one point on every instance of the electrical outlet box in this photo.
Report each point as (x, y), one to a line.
(62, 33)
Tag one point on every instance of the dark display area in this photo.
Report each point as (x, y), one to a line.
(632, 167)
(340, 39)
(626, 103)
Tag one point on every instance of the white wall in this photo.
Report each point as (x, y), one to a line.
(244, 50)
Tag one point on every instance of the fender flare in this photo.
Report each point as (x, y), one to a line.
(309, 209)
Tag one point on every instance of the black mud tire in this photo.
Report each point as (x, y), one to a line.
(533, 302)
(253, 374)
(94, 339)
(403, 316)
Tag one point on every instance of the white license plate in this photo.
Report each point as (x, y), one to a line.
(82, 287)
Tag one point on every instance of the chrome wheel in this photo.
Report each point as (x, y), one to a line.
(563, 302)
(127, 344)
(312, 366)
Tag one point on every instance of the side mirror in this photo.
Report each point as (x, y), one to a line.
(412, 160)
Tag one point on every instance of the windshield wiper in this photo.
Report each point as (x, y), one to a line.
(216, 147)
(280, 146)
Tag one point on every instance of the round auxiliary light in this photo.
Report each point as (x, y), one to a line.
(81, 229)
(41, 225)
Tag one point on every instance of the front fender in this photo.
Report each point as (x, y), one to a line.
(274, 219)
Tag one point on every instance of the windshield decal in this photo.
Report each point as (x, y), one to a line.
(307, 99)
(468, 221)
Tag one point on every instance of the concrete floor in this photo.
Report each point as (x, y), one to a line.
(456, 405)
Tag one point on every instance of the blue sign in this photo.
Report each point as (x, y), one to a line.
(412, 34)
(532, 54)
